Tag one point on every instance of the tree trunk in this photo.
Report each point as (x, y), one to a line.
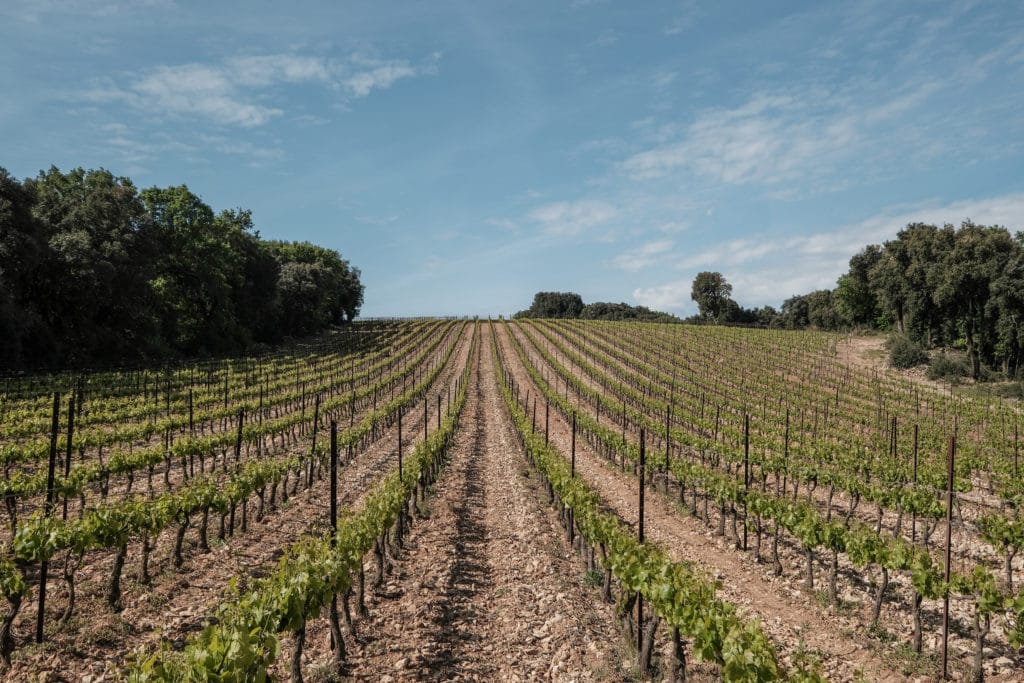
(972, 348)
(144, 576)
(982, 624)
(677, 674)
(879, 597)
(179, 540)
(648, 646)
(300, 641)
(338, 642)
(71, 564)
(114, 586)
(915, 608)
(346, 612)
(776, 562)
(361, 603)
(203, 543)
(6, 638)
(1009, 569)
(833, 571)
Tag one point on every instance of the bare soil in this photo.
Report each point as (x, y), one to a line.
(487, 587)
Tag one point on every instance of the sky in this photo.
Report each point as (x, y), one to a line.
(465, 155)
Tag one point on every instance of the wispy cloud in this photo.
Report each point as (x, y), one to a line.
(240, 91)
(137, 151)
(776, 138)
(379, 221)
(607, 38)
(671, 296)
(731, 253)
(684, 19)
(374, 74)
(35, 11)
(644, 256)
(573, 218)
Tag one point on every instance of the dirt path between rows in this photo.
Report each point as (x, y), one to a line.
(789, 617)
(487, 588)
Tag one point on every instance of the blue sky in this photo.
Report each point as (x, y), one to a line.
(465, 155)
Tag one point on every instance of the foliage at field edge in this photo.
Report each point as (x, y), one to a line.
(570, 305)
(940, 287)
(94, 271)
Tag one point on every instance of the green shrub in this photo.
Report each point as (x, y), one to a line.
(904, 352)
(948, 368)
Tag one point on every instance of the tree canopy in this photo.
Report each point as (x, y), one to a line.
(570, 305)
(712, 294)
(554, 305)
(939, 286)
(94, 271)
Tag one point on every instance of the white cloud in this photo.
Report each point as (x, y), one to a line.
(573, 218)
(200, 90)
(36, 11)
(685, 18)
(776, 138)
(732, 253)
(371, 74)
(503, 224)
(269, 69)
(236, 92)
(673, 227)
(644, 256)
(662, 79)
(672, 296)
(607, 38)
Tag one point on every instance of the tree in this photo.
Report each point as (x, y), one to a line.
(93, 293)
(22, 250)
(1006, 308)
(964, 284)
(338, 294)
(855, 298)
(822, 312)
(254, 288)
(795, 312)
(194, 271)
(554, 305)
(712, 294)
(603, 310)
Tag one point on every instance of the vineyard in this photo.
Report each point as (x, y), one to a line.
(528, 500)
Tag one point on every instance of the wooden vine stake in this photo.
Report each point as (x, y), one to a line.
(67, 450)
(668, 443)
(547, 416)
(572, 459)
(640, 537)
(746, 473)
(913, 514)
(337, 642)
(949, 526)
(572, 473)
(44, 565)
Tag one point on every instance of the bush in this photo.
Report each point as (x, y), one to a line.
(948, 368)
(905, 353)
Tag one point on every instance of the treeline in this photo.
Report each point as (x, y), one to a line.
(943, 286)
(936, 287)
(570, 305)
(93, 271)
